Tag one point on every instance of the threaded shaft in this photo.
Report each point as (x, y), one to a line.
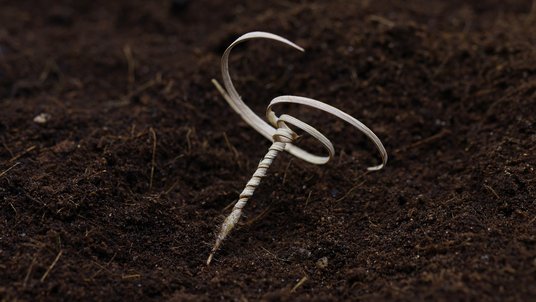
(281, 138)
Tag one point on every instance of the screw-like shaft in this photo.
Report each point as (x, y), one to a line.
(281, 138)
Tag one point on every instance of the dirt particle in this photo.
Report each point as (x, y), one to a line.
(42, 118)
(322, 263)
(65, 146)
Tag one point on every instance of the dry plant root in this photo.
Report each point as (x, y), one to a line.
(279, 132)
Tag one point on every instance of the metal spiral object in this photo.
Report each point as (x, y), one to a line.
(279, 132)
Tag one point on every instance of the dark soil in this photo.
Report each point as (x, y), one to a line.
(449, 86)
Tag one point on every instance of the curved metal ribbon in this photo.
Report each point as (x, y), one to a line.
(235, 101)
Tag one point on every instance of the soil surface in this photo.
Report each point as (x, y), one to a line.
(119, 159)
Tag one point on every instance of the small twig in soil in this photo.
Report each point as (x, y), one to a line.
(286, 170)
(132, 131)
(308, 198)
(273, 255)
(153, 159)
(172, 187)
(27, 277)
(258, 217)
(50, 66)
(382, 20)
(169, 87)
(131, 276)
(532, 13)
(279, 132)
(15, 210)
(351, 190)
(443, 133)
(125, 100)
(131, 66)
(34, 244)
(188, 142)
(22, 153)
(300, 283)
(354, 187)
(342, 154)
(30, 197)
(492, 191)
(103, 267)
(227, 207)
(232, 149)
(51, 266)
(8, 169)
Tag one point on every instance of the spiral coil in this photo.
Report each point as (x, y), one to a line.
(279, 132)
(281, 138)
